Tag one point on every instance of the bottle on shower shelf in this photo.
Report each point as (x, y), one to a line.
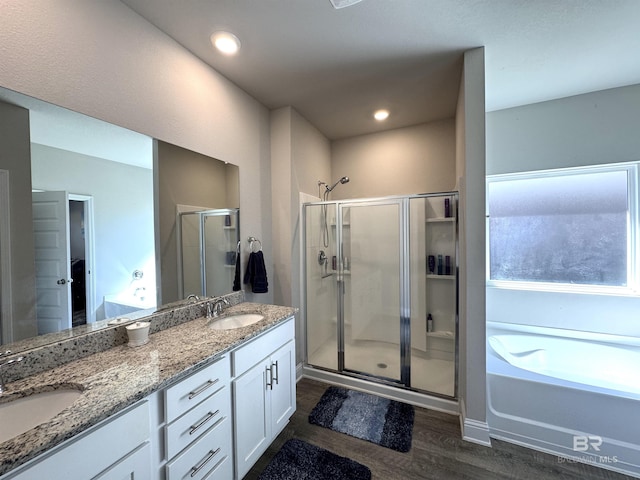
(431, 264)
(440, 266)
(429, 323)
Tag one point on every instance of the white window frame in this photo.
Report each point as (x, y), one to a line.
(633, 270)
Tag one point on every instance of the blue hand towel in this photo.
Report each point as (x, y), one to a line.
(256, 273)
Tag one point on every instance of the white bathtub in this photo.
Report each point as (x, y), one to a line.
(572, 397)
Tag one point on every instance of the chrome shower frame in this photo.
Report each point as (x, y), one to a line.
(405, 295)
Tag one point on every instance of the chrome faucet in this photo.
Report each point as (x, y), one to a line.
(215, 309)
(3, 388)
(193, 297)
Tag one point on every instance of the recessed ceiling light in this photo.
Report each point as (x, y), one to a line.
(381, 115)
(226, 43)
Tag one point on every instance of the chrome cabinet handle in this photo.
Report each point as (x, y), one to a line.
(196, 468)
(270, 373)
(198, 391)
(196, 427)
(275, 379)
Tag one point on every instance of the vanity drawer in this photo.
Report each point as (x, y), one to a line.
(194, 389)
(209, 455)
(254, 351)
(197, 421)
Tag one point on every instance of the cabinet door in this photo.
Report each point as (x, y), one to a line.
(253, 427)
(283, 394)
(135, 466)
(80, 459)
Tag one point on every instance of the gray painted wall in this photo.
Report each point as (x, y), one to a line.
(300, 157)
(416, 159)
(470, 147)
(590, 129)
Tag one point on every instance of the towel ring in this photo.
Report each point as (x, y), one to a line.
(254, 244)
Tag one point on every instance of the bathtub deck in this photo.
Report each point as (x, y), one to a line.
(437, 452)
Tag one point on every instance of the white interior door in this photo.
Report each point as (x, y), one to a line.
(53, 266)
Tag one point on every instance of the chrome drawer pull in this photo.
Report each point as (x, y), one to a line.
(197, 392)
(197, 468)
(209, 416)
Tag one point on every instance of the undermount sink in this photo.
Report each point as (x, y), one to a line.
(24, 413)
(236, 321)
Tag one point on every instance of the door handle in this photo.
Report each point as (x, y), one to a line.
(62, 281)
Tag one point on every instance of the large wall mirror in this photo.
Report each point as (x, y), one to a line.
(88, 217)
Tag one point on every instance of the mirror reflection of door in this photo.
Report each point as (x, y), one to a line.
(62, 258)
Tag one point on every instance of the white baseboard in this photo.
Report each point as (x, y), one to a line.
(476, 432)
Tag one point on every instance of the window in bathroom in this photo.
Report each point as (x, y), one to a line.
(569, 229)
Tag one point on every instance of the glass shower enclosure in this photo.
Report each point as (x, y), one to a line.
(381, 290)
(208, 245)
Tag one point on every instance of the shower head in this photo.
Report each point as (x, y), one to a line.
(342, 180)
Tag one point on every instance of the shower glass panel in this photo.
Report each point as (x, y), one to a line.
(207, 249)
(369, 279)
(189, 255)
(321, 299)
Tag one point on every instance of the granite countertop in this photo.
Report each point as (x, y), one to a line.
(118, 377)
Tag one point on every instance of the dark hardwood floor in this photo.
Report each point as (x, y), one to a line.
(438, 451)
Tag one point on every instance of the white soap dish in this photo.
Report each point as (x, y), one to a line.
(138, 344)
(138, 333)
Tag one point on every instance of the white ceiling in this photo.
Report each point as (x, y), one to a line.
(336, 67)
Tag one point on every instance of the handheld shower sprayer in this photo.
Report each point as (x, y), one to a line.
(343, 180)
(327, 191)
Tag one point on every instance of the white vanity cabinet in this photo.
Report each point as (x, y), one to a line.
(264, 392)
(211, 425)
(115, 449)
(198, 428)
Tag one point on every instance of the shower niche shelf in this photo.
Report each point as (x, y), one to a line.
(440, 234)
(441, 219)
(441, 334)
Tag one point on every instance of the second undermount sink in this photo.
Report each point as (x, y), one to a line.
(24, 413)
(235, 321)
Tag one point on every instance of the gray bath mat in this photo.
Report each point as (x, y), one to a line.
(298, 460)
(369, 417)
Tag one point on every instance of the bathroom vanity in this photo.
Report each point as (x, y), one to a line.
(194, 402)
